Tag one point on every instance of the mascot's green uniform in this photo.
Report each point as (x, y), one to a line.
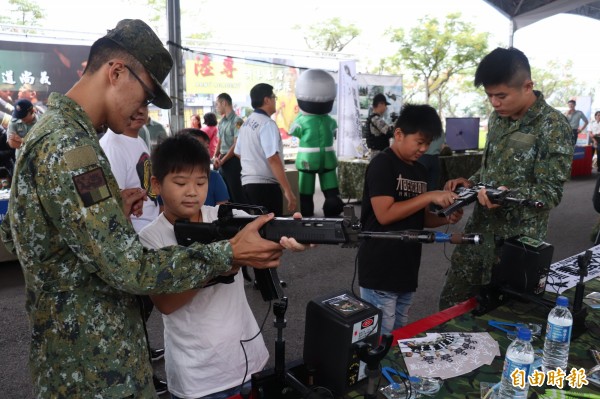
(315, 91)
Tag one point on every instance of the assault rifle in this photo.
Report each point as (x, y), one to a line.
(496, 196)
(345, 231)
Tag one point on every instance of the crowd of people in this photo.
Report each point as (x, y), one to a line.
(92, 220)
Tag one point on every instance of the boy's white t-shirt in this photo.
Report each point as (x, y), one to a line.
(203, 354)
(129, 160)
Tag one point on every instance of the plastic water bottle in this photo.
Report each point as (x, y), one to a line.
(558, 336)
(519, 355)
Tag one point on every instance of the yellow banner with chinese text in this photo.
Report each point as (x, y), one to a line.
(210, 74)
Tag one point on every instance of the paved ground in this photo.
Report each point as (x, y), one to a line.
(322, 270)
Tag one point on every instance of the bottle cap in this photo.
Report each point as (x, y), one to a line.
(562, 301)
(524, 334)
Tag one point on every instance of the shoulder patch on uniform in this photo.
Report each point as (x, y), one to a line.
(81, 157)
(92, 187)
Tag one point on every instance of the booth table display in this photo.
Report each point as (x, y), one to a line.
(460, 320)
(468, 385)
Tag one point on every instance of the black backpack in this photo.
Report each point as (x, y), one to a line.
(375, 142)
(366, 127)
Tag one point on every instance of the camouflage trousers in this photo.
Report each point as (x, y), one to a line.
(470, 268)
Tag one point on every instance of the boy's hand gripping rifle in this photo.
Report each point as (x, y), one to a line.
(345, 231)
(496, 196)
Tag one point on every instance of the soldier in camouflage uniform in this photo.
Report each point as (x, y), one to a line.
(528, 150)
(81, 260)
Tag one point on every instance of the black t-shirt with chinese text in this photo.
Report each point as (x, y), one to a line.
(387, 264)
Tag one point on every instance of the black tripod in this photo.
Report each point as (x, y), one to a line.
(282, 381)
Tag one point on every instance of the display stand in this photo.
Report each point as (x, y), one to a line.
(284, 380)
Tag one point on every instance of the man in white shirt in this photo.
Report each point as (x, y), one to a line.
(594, 129)
(260, 149)
(129, 159)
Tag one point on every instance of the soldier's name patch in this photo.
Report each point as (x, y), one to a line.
(81, 157)
(522, 140)
(92, 187)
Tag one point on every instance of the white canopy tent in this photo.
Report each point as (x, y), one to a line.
(526, 12)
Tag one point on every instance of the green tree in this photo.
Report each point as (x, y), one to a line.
(22, 12)
(329, 35)
(557, 82)
(433, 52)
(190, 13)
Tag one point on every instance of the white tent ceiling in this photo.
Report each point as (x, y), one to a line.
(525, 12)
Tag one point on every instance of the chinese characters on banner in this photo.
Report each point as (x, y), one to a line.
(212, 74)
(25, 77)
(43, 67)
(209, 74)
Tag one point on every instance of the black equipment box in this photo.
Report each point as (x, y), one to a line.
(524, 265)
(334, 323)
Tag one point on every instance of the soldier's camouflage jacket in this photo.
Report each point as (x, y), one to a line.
(83, 263)
(531, 156)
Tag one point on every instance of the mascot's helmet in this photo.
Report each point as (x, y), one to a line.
(315, 91)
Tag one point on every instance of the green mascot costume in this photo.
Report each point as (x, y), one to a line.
(316, 91)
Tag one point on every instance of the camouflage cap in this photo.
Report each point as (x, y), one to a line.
(139, 40)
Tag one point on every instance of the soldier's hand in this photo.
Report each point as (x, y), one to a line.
(250, 249)
(133, 201)
(485, 201)
(291, 243)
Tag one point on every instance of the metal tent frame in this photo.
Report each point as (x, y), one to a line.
(526, 12)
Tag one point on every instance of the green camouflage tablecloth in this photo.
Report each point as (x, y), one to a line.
(351, 177)
(351, 172)
(467, 386)
(459, 165)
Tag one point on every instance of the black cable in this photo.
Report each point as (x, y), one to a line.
(406, 382)
(354, 275)
(444, 252)
(242, 341)
(235, 57)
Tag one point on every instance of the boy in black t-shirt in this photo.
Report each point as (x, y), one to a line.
(395, 197)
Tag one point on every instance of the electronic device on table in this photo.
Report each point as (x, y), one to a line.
(522, 274)
(462, 134)
(335, 324)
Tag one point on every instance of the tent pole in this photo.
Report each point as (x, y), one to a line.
(176, 75)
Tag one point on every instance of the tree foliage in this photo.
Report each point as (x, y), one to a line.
(22, 12)
(190, 13)
(329, 35)
(558, 83)
(434, 52)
